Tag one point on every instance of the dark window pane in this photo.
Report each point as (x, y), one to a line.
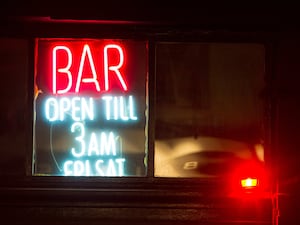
(208, 98)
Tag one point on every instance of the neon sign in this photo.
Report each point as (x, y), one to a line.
(86, 58)
(90, 107)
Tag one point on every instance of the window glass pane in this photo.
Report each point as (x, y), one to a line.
(209, 111)
(90, 107)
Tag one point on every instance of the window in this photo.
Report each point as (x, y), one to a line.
(90, 107)
(209, 109)
(90, 114)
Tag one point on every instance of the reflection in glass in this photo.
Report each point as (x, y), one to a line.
(209, 112)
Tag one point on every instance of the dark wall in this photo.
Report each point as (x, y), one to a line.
(287, 127)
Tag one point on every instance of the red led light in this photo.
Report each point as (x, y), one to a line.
(249, 183)
(249, 178)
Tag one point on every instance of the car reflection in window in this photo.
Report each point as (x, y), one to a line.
(204, 157)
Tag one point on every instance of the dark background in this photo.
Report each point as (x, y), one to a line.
(276, 22)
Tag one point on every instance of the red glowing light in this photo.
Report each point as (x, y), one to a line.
(86, 52)
(249, 178)
(249, 182)
(84, 65)
(61, 70)
(113, 68)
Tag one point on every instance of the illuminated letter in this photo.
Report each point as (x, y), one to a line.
(67, 171)
(87, 109)
(78, 168)
(123, 109)
(116, 111)
(120, 166)
(78, 126)
(75, 109)
(61, 70)
(93, 146)
(131, 108)
(51, 109)
(107, 100)
(86, 51)
(108, 145)
(98, 167)
(111, 170)
(64, 106)
(87, 168)
(113, 68)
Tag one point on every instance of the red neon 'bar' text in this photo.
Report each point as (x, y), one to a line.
(86, 55)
